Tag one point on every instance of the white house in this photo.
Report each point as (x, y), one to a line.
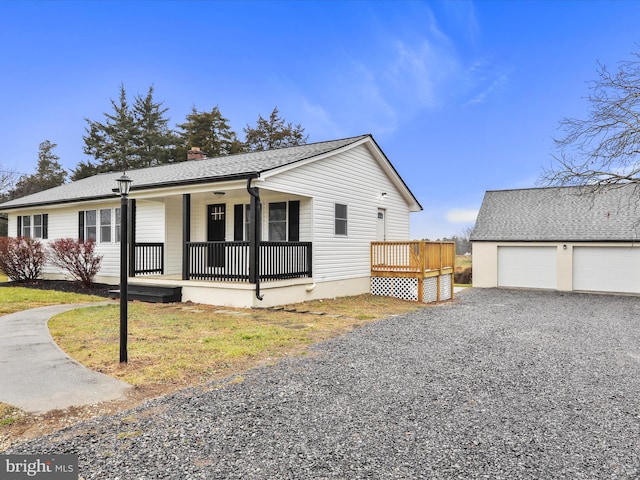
(320, 206)
(563, 238)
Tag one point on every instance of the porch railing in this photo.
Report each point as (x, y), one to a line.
(229, 261)
(148, 258)
(282, 260)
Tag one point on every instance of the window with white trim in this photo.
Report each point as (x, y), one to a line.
(102, 225)
(35, 226)
(26, 226)
(105, 225)
(340, 217)
(90, 225)
(278, 222)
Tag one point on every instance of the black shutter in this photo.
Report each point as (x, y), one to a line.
(45, 226)
(294, 221)
(81, 225)
(238, 223)
(19, 234)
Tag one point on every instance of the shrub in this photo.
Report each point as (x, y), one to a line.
(77, 257)
(21, 258)
(463, 276)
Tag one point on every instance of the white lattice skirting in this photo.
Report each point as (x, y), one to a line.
(407, 288)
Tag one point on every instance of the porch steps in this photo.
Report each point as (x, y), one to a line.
(151, 293)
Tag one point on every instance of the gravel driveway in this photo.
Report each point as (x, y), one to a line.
(498, 384)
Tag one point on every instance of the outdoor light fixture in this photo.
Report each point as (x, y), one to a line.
(219, 194)
(124, 185)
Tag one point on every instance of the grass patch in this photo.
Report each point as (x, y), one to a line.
(172, 346)
(15, 299)
(184, 344)
(463, 261)
(9, 415)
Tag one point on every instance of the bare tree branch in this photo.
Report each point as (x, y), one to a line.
(604, 148)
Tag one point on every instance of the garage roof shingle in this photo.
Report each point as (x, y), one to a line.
(562, 214)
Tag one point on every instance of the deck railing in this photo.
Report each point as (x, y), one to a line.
(148, 259)
(412, 257)
(229, 261)
(413, 270)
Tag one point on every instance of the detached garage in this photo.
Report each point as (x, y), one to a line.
(565, 238)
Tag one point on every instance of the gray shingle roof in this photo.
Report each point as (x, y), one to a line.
(562, 214)
(241, 165)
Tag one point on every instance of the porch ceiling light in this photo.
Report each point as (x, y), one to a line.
(219, 193)
(124, 185)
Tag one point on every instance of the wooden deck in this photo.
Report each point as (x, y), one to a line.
(430, 265)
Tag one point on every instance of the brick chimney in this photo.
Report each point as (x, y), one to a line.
(196, 154)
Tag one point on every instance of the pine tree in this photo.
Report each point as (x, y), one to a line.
(112, 142)
(49, 173)
(209, 131)
(273, 133)
(154, 142)
(135, 136)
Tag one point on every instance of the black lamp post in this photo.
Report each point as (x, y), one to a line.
(124, 185)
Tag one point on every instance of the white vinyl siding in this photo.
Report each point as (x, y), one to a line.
(150, 224)
(606, 269)
(173, 235)
(352, 178)
(527, 267)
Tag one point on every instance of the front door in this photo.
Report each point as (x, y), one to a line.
(216, 233)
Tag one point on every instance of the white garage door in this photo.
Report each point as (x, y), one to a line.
(527, 267)
(606, 269)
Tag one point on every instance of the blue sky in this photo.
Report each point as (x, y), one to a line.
(462, 96)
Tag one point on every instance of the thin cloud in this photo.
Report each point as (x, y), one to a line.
(319, 121)
(498, 83)
(419, 73)
(461, 215)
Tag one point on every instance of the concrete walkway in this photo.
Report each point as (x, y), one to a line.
(37, 376)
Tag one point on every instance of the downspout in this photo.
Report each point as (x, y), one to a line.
(255, 235)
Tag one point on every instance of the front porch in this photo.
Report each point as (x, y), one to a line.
(216, 239)
(220, 272)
